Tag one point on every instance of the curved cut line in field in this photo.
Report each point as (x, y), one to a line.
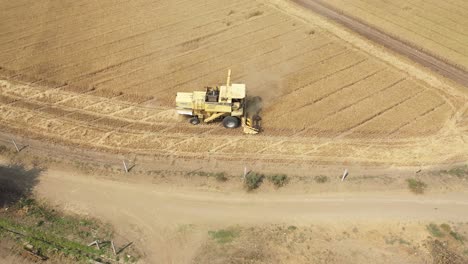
(101, 129)
(106, 81)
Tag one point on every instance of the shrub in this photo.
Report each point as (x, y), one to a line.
(279, 180)
(460, 172)
(434, 230)
(457, 236)
(221, 177)
(6, 151)
(416, 186)
(446, 227)
(253, 180)
(3, 149)
(223, 236)
(321, 179)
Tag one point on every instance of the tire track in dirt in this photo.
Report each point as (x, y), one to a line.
(402, 47)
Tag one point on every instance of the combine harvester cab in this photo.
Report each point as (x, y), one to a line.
(228, 102)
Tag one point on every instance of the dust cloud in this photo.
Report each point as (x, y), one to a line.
(268, 84)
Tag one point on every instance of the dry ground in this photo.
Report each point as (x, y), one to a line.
(104, 77)
(438, 27)
(329, 223)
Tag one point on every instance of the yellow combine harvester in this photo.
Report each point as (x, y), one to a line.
(227, 102)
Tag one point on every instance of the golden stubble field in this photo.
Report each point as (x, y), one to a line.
(438, 27)
(104, 76)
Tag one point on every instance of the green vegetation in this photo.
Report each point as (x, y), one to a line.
(460, 172)
(446, 227)
(457, 236)
(321, 179)
(434, 230)
(223, 236)
(253, 180)
(279, 180)
(416, 186)
(48, 233)
(47, 242)
(393, 240)
(219, 176)
(3, 149)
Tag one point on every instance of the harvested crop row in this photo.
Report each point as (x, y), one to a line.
(106, 108)
(17, 117)
(18, 90)
(246, 146)
(196, 145)
(116, 74)
(53, 96)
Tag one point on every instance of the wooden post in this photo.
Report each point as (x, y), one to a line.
(345, 174)
(16, 146)
(124, 247)
(96, 242)
(245, 171)
(125, 166)
(113, 247)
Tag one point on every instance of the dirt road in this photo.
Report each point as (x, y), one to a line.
(400, 46)
(154, 216)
